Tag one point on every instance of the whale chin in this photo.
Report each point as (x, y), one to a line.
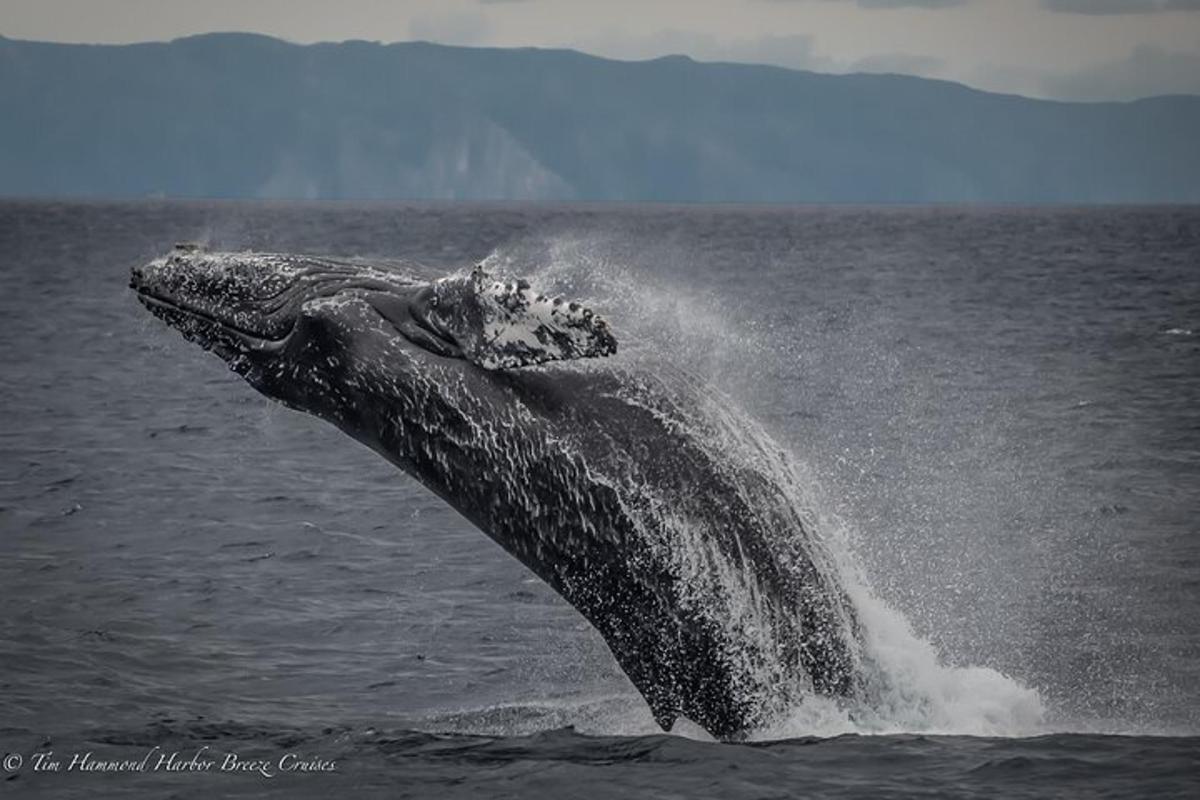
(209, 332)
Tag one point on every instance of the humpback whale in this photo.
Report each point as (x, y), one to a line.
(635, 493)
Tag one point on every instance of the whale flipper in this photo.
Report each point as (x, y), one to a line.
(495, 324)
(501, 325)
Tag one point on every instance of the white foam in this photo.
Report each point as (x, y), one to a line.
(913, 691)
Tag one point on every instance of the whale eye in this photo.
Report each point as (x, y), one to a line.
(411, 315)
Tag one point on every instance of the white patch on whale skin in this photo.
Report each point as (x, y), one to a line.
(502, 325)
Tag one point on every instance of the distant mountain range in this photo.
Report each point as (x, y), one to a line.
(239, 115)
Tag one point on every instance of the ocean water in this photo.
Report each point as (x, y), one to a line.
(995, 415)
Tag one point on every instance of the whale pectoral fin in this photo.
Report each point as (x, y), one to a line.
(500, 325)
(493, 324)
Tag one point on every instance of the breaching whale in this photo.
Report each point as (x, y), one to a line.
(634, 493)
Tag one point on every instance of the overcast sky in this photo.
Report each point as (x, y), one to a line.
(1075, 49)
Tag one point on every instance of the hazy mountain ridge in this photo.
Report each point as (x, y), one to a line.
(242, 115)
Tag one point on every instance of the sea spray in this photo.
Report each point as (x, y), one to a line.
(908, 686)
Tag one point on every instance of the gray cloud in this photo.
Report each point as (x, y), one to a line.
(900, 64)
(1099, 7)
(1146, 72)
(795, 50)
(451, 27)
(891, 3)
(909, 3)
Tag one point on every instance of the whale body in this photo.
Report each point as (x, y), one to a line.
(636, 494)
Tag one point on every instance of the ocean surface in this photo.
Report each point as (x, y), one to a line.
(996, 413)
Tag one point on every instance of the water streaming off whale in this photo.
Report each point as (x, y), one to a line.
(694, 344)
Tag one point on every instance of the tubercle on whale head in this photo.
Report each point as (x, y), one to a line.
(248, 306)
(253, 296)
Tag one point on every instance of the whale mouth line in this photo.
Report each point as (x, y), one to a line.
(250, 340)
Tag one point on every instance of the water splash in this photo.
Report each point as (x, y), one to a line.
(910, 686)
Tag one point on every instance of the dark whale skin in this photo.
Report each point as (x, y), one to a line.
(662, 517)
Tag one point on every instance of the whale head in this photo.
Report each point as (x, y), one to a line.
(291, 324)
